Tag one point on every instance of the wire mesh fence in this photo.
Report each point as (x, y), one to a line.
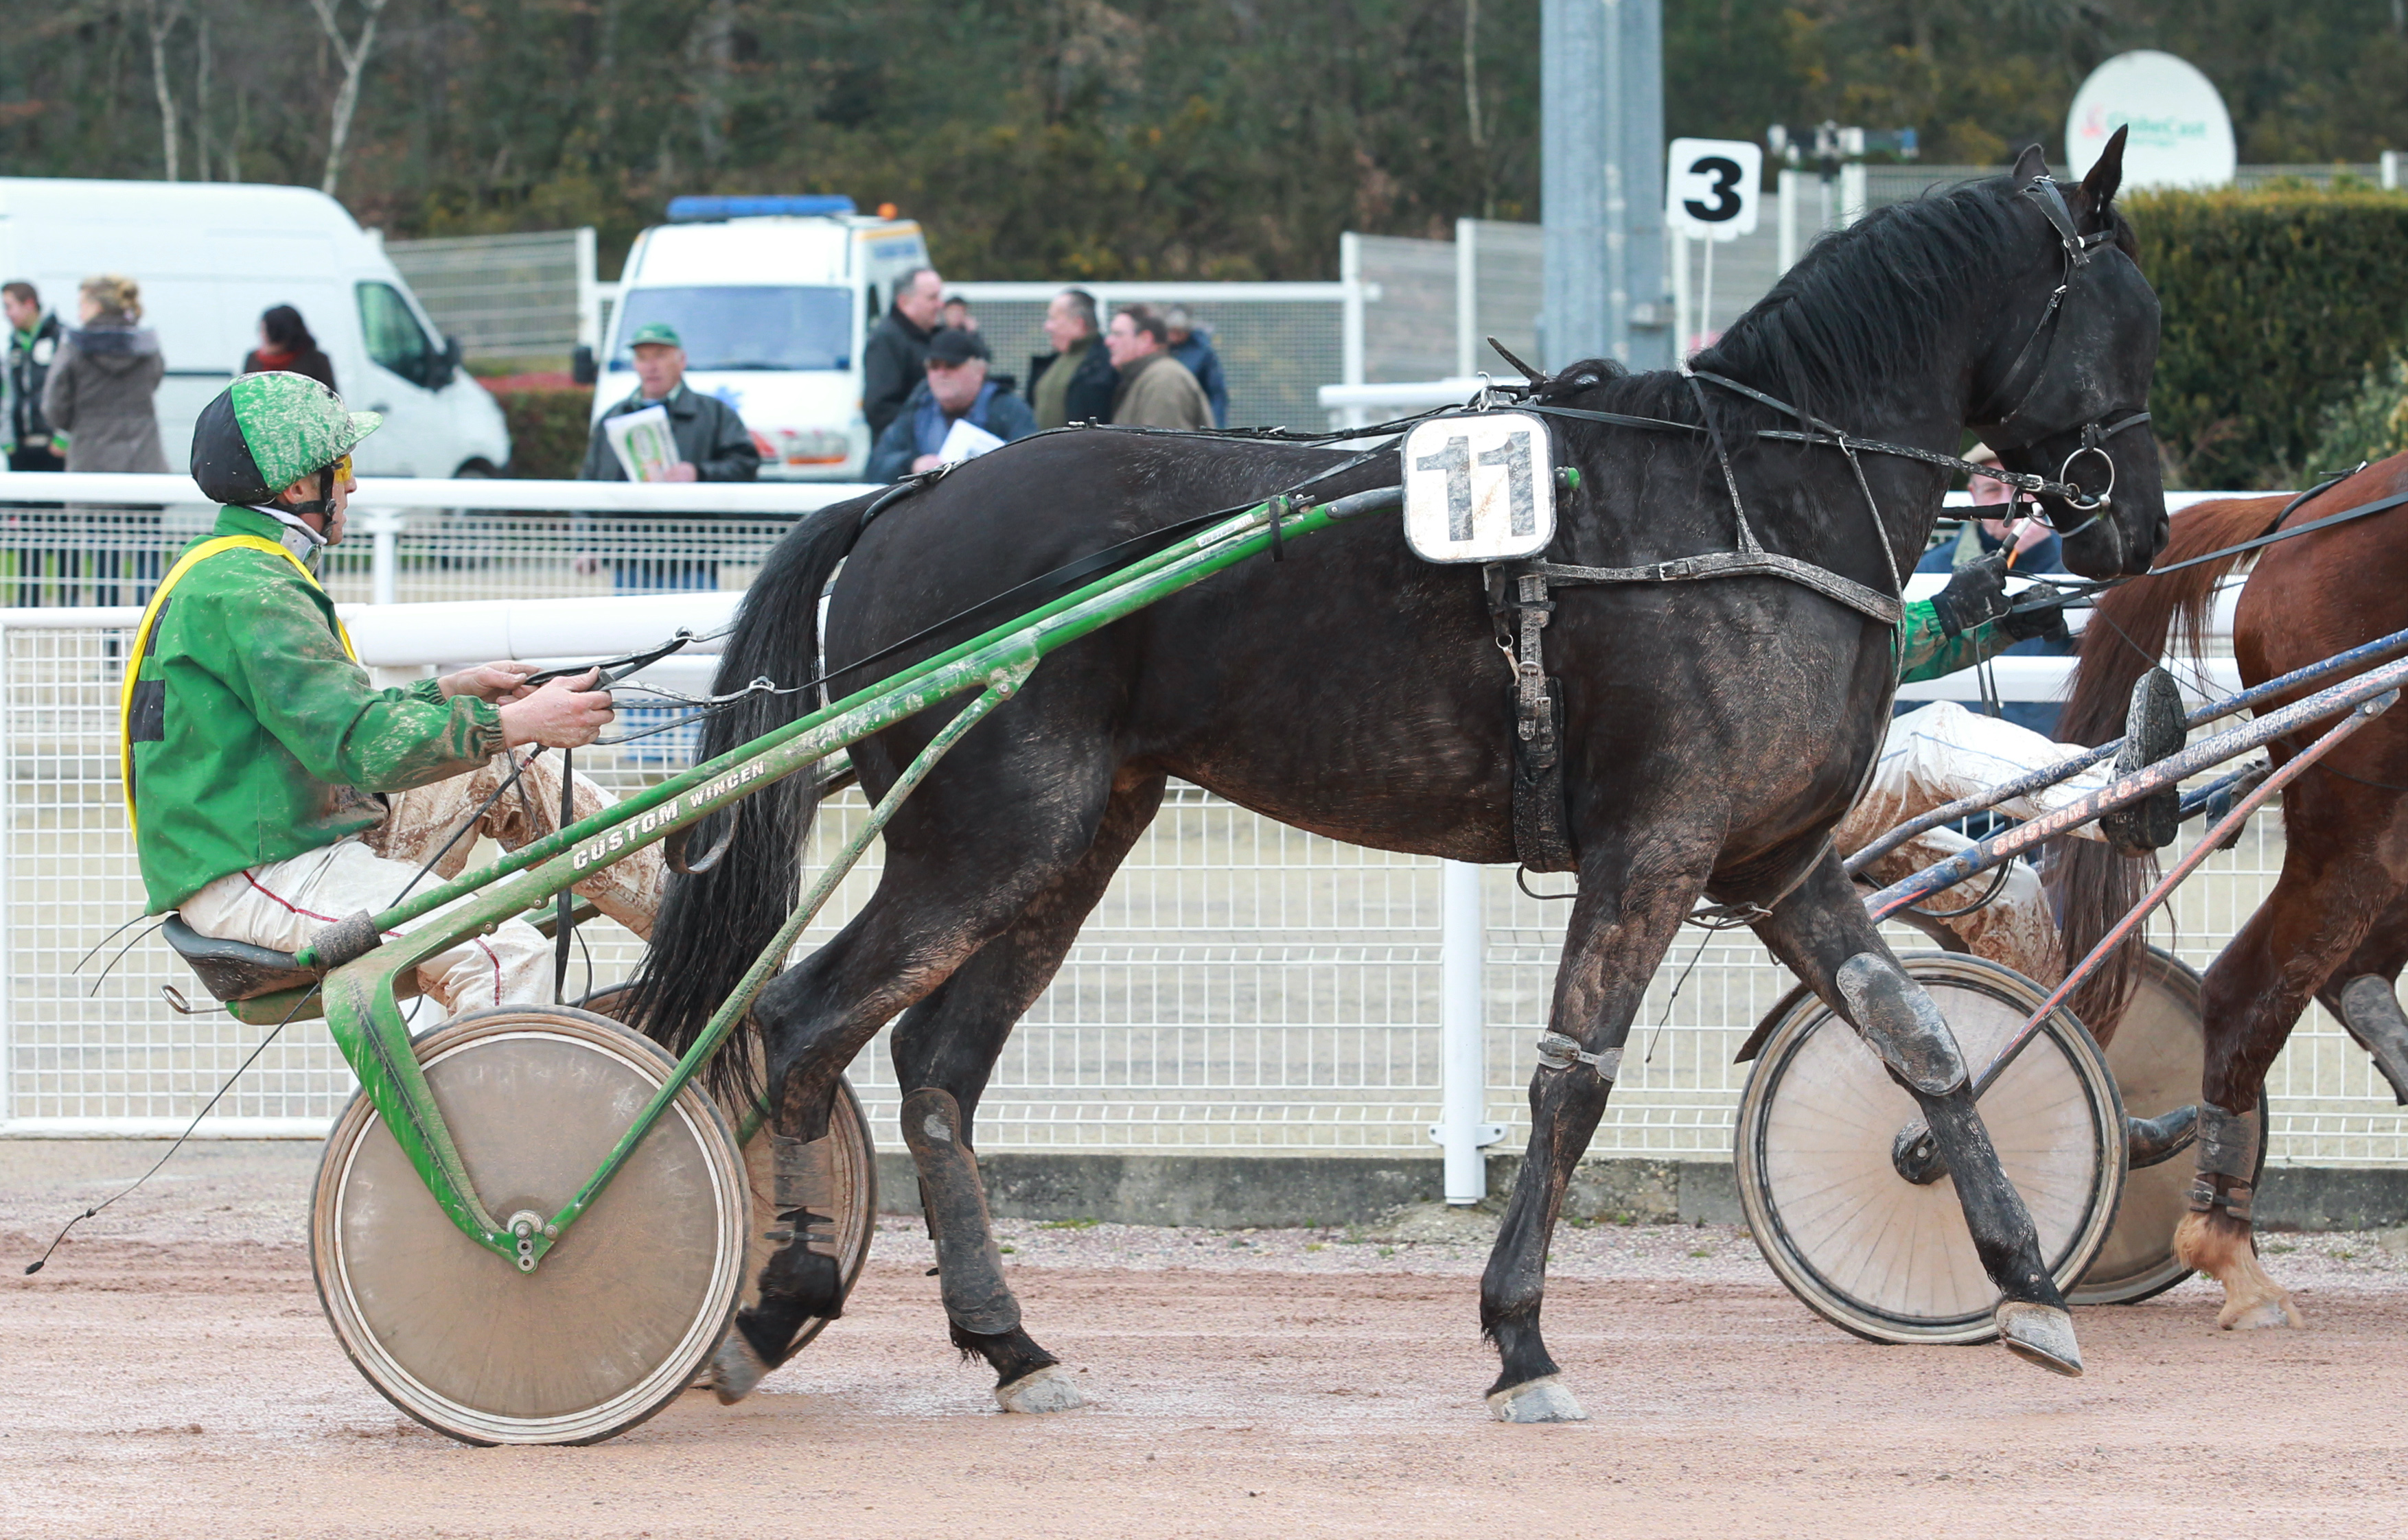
(507, 296)
(89, 556)
(1243, 986)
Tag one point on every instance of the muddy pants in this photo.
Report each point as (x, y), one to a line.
(1936, 755)
(283, 903)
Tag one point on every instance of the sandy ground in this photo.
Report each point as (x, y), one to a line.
(170, 1375)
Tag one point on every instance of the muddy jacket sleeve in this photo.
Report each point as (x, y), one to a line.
(291, 671)
(1924, 652)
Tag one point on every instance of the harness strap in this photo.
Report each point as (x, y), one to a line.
(150, 613)
(1732, 563)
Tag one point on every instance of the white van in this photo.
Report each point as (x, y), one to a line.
(209, 257)
(774, 298)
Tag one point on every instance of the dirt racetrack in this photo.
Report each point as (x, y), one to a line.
(171, 1375)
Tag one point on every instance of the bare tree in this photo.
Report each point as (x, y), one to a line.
(163, 21)
(1471, 72)
(352, 54)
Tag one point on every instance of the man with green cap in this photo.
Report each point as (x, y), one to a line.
(712, 442)
(274, 789)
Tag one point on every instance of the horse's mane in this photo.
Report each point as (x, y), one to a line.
(1867, 299)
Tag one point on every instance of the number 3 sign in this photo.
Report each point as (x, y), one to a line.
(1711, 187)
(1480, 488)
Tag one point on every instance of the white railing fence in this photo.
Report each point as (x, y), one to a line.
(1243, 987)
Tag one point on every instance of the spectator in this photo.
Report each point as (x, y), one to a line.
(1192, 345)
(956, 390)
(958, 317)
(1074, 382)
(1156, 390)
(102, 381)
(711, 440)
(712, 445)
(2037, 550)
(285, 343)
(896, 355)
(32, 344)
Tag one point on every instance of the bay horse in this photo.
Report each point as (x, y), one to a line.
(2338, 915)
(1714, 734)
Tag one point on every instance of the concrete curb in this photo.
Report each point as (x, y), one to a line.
(1237, 1191)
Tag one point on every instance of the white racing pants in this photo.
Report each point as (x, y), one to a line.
(283, 903)
(1931, 758)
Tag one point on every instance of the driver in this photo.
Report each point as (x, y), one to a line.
(274, 789)
(1938, 754)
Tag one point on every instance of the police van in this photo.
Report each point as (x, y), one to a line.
(774, 299)
(209, 257)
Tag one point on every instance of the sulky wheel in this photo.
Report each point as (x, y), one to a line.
(619, 1316)
(1875, 1253)
(2158, 1054)
(837, 1182)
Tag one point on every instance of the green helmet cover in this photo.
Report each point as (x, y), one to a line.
(266, 430)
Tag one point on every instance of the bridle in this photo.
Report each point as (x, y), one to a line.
(2077, 249)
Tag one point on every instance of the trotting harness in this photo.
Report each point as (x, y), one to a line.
(1518, 591)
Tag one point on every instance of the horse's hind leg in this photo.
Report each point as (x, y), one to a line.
(966, 856)
(1623, 918)
(945, 1047)
(1822, 933)
(2317, 918)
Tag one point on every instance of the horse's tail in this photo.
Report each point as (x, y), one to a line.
(714, 923)
(2096, 886)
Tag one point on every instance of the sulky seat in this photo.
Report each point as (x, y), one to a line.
(234, 970)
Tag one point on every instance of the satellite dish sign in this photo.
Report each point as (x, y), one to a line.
(2181, 135)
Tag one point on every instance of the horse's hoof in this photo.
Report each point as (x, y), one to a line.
(2274, 1313)
(1046, 1389)
(734, 1369)
(2042, 1334)
(1545, 1399)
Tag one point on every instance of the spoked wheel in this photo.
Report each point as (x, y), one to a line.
(838, 1182)
(2159, 1055)
(1885, 1257)
(617, 1316)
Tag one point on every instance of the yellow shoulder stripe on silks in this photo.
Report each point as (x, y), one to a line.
(141, 649)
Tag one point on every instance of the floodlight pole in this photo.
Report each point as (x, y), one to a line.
(1601, 181)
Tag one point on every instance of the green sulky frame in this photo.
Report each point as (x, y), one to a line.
(365, 1015)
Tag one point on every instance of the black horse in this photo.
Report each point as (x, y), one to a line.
(1713, 731)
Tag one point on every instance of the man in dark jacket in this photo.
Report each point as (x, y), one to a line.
(897, 354)
(956, 390)
(33, 343)
(1073, 383)
(712, 443)
(1192, 345)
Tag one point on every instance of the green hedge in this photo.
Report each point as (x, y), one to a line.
(2277, 303)
(546, 431)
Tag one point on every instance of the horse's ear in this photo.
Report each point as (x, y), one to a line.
(2106, 173)
(2029, 165)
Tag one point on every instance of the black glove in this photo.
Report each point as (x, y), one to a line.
(2041, 619)
(1976, 593)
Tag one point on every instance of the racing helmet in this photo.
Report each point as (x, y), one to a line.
(266, 430)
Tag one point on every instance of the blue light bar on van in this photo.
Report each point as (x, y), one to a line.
(692, 208)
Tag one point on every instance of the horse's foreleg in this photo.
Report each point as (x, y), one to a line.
(1624, 918)
(944, 1049)
(1822, 933)
(2317, 918)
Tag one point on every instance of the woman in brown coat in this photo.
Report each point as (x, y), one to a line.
(101, 387)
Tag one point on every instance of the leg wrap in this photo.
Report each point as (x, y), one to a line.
(970, 1269)
(2227, 1147)
(1902, 1023)
(802, 1280)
